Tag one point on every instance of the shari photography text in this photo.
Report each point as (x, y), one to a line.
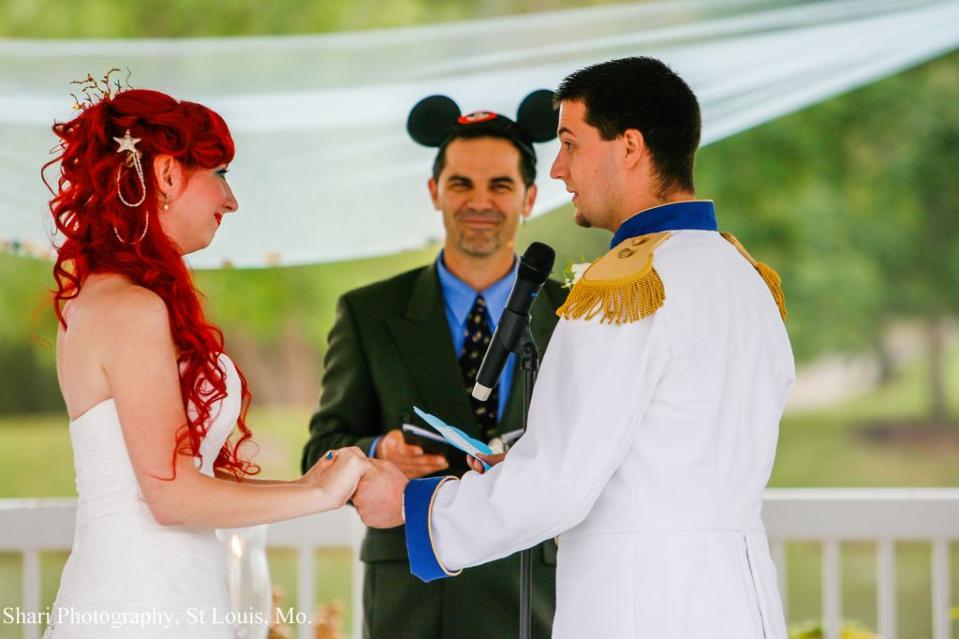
(151, 618)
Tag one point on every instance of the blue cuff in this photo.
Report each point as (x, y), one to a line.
(417, 506)
(371, 453)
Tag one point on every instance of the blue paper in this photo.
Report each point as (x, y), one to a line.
(456, 437)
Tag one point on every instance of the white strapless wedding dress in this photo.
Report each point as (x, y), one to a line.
(128, 576)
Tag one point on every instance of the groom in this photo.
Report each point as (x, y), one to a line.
(654, 422)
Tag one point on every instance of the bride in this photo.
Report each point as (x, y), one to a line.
(157, 410)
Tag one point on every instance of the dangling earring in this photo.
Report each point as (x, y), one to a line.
(166, 202)
(128, 145)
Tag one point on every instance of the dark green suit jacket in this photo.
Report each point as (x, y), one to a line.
(390, 348)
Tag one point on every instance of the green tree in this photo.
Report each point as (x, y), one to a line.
(905, 145)
(855, 201)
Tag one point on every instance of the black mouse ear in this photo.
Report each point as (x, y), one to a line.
(432, 119)
(537, 116)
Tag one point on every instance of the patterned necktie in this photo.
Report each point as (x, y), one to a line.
(476, 339)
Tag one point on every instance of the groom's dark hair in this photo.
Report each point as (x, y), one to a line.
(644, 94)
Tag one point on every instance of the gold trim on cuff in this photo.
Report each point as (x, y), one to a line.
(429, 526)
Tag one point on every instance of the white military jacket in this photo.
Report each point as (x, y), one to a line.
(649, 445)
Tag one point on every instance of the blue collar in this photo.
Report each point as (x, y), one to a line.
(698, 215)
(459, 296)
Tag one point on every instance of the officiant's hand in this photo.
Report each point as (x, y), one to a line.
(411, 460)
(492, 460)
(379, 497)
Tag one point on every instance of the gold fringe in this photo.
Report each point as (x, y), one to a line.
(769, 275)
(774, 282)
(622, 301)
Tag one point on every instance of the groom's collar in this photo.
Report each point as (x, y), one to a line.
(697, 215)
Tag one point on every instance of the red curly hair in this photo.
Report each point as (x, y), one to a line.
(89, 215)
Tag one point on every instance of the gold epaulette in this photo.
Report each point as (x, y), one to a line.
(771, 277)
(622, 286)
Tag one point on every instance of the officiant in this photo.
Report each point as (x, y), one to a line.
(418, 339)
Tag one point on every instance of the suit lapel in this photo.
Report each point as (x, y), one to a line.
(422, 336)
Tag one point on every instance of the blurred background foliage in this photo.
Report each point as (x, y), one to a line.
(853, 201)
(201, 18)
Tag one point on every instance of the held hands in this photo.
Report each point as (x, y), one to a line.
(409, 459)
(336, 475)
(379, 497)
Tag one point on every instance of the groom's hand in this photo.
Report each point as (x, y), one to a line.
(492, 460)
(379, 497)
(409, 459)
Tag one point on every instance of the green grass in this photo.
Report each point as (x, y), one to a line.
(817, 448)
(825, 447)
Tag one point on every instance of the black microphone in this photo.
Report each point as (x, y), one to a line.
(534, 267)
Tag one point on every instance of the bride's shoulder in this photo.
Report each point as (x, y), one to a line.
(135, 305)
(122, 305)
(111, 321)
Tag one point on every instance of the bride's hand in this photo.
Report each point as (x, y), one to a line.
(337, 474)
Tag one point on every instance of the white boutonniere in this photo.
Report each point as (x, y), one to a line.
(573, 272)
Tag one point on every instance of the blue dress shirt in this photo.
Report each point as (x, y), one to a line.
(458, 298)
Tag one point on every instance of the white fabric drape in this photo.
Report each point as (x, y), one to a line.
(324, 169)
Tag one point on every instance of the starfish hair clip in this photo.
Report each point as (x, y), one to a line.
(127, 143)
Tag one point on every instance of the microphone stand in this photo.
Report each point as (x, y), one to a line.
(529, 360)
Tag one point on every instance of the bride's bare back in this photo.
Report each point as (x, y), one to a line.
(84, 347)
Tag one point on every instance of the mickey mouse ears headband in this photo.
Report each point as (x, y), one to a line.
(437, 118)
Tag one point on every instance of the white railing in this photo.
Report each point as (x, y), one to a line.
(826, 516)
(32, 526)
(883, 515)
